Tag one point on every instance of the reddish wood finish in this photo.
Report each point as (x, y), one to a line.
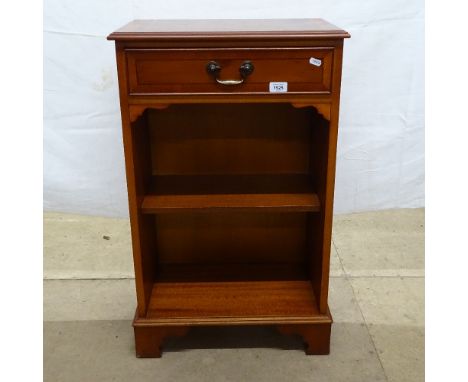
(149, 340)
(162, 71)
(228, 139)
(232, 237)
(158, 204)
(232, 269)
(230, 187)
(205, 193)
(233, 302)
(249, 29)
(316, 337)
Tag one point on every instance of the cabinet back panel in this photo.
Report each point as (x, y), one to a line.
(230, 139)
(229, 238)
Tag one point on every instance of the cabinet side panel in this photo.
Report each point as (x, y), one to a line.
(315, 222)
(141, 226)
(325, 189)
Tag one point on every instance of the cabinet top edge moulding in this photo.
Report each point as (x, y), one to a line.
(228, 29)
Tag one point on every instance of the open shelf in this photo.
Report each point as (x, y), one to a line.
(239, 302)
(282, 193)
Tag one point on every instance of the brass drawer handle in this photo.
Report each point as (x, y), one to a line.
(214, 69)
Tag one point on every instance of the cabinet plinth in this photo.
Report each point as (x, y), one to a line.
(230, 130)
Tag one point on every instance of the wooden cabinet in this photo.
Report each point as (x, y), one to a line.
(230, 130)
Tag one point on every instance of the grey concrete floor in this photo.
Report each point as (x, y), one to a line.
(376, 298)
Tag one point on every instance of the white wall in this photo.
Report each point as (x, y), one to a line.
(381, 140)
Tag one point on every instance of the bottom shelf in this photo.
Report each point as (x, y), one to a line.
(233, 303)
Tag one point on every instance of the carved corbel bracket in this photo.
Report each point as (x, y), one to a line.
(324, 109)
(136, 111)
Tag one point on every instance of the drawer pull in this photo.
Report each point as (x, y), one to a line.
(214, 69)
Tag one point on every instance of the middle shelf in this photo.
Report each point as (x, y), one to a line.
(275, 192)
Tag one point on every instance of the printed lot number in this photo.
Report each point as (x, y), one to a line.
(278, 87)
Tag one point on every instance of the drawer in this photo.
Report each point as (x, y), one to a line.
(254, 70)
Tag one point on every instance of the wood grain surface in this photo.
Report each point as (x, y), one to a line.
(205, 302)
(246, 29)
(230, 188)
(169, 71)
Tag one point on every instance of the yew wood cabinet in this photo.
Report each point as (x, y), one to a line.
(230, 130)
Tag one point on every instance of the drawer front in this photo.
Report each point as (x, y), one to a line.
(184, 71)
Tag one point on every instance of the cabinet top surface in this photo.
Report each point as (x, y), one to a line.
(226, 29)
